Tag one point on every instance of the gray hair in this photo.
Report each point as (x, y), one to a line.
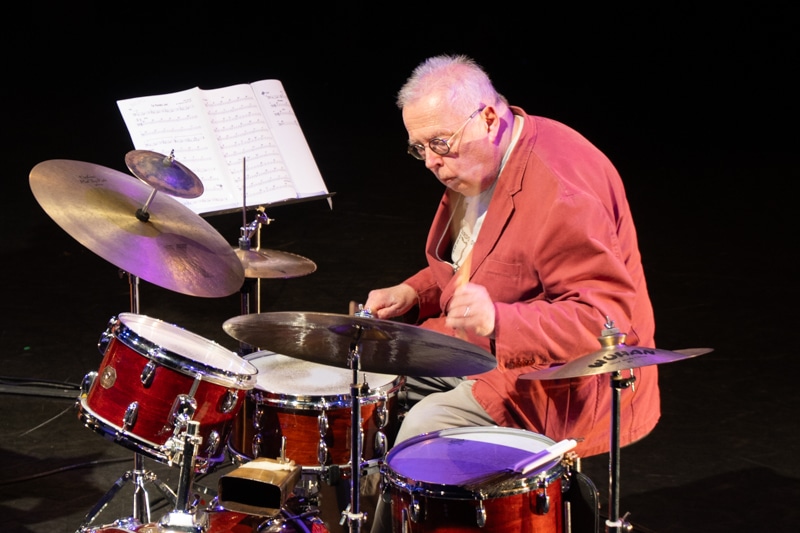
(461, 81)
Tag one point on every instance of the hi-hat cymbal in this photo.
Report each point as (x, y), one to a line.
(164, 173)
(614, 358)
(386, 347)
(274, 264)
(172, 247)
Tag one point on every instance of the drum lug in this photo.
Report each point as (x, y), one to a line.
(148, 373)
(382, 413)
(129, 418)
(256, 445)
(322, 448)
(542, 502)
(480, 514)
(183, 409)
(88, 381)
(258, 412)
(323, 424)
(213, 443)
(415, 510)
(106, 336)
(322, 452)
(229, 401)
(380, 443)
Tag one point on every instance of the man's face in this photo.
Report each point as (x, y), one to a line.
(464, 160)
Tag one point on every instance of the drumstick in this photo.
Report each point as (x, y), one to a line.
(491, 484)
(462, 278)
(462, 275)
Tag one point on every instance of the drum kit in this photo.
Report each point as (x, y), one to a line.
(305, 394)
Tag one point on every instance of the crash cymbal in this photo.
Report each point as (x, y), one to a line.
(171, 246)
(386, 347)
(164, 173)
(613, 358)
(274, 264)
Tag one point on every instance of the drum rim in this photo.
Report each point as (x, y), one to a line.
(174, 361)
(549, 472)
(320, 401)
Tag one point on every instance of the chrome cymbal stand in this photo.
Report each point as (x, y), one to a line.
(352, 513)
(611, 336)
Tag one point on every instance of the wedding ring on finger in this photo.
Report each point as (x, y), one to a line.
(466, 312)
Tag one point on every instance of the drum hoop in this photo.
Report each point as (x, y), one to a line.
(547, 475)
(102, 426)
(175, 361)
(327, 401)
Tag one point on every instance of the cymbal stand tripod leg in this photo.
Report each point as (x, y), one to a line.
(139, 477)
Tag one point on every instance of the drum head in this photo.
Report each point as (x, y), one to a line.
(457, 456)
(288, 377)
(186, 352)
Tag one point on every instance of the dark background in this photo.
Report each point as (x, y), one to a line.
(697, 107)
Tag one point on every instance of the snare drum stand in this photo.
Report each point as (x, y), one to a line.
(138, 475)
(185, 518)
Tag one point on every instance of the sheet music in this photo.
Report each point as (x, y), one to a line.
(212, 131)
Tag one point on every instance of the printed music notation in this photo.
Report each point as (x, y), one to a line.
(226, 136)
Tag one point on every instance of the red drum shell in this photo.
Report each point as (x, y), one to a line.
(288, 399)
(149, 363)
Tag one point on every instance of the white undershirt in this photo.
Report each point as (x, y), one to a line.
(475, 208)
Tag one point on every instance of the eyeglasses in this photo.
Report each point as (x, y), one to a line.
(437, 145)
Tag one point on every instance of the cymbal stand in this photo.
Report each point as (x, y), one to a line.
(138, 475)
(612, 336)
(351, 513)
(251, 286)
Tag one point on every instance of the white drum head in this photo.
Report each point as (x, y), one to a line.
(183, 348)
(288, 376)
(460, 455)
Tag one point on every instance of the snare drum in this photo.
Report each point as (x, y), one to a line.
(426, 478)
(306, 407)
(154, 378)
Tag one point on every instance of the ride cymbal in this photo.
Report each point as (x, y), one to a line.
(170, 245)
(164, 173)
(274, 264)
(386, 347)
(614, 358)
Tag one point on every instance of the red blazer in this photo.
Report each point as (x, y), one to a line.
(558, 254)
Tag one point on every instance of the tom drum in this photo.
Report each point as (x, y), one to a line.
(426, 478)
(303, 409)
(154, 378)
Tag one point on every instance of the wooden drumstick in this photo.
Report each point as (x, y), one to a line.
(462, 278)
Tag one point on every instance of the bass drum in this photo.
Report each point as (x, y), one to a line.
(425, 478)
(305, 408)
(289, 520)
(222, 521)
